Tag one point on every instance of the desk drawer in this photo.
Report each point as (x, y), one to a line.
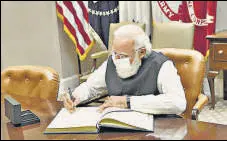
(220, 52)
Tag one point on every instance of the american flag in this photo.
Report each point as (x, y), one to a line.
(74, 15)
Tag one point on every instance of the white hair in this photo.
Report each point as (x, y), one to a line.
(136, 33)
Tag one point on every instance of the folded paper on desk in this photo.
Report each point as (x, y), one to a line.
(89, 120)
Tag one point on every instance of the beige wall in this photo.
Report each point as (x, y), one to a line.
(33, 35)
(221, 22)
(29, 34)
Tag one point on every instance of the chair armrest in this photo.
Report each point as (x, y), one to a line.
(99, 54)
(201, 102)
(94, 56)
(84, 78)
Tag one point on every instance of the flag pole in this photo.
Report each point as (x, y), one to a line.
(79, 64)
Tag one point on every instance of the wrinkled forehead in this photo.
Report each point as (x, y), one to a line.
(123, 45)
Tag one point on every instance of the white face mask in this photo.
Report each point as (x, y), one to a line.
(124, 68)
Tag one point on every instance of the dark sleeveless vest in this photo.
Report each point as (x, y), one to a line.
(142, 83)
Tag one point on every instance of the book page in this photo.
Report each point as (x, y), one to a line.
(81, 117)
(132, 118)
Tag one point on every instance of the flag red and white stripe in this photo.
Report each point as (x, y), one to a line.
(74, 15)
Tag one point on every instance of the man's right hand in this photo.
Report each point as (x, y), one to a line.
(68, 103)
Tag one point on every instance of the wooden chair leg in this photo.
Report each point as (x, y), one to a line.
(211, 77)
(211, 83)
(225, 84)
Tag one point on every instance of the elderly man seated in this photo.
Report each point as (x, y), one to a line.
(135, 76)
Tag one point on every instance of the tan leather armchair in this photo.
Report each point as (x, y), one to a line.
(190, 65)
(180, 35)
(34, 81)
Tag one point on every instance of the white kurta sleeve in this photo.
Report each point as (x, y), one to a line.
(94, 85)
(171, 99)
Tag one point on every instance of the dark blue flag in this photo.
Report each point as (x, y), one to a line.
(101, 14)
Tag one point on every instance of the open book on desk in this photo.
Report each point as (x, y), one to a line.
(89, 120)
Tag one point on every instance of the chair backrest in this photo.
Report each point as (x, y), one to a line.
(33, 81)
(190, 65)
(173, 35)
(115, 26)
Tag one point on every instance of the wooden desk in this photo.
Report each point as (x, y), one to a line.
(172, 128)
(217, 61)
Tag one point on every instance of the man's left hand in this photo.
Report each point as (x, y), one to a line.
(114, 101)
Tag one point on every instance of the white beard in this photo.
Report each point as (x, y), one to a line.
(125, 69)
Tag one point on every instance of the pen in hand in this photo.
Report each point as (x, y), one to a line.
(68, 100)
(70, 94)
(73, 99)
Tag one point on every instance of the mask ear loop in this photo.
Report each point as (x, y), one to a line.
(146, 43)
(113, 58)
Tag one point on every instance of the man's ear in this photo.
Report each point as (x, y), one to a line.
(142, 52)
